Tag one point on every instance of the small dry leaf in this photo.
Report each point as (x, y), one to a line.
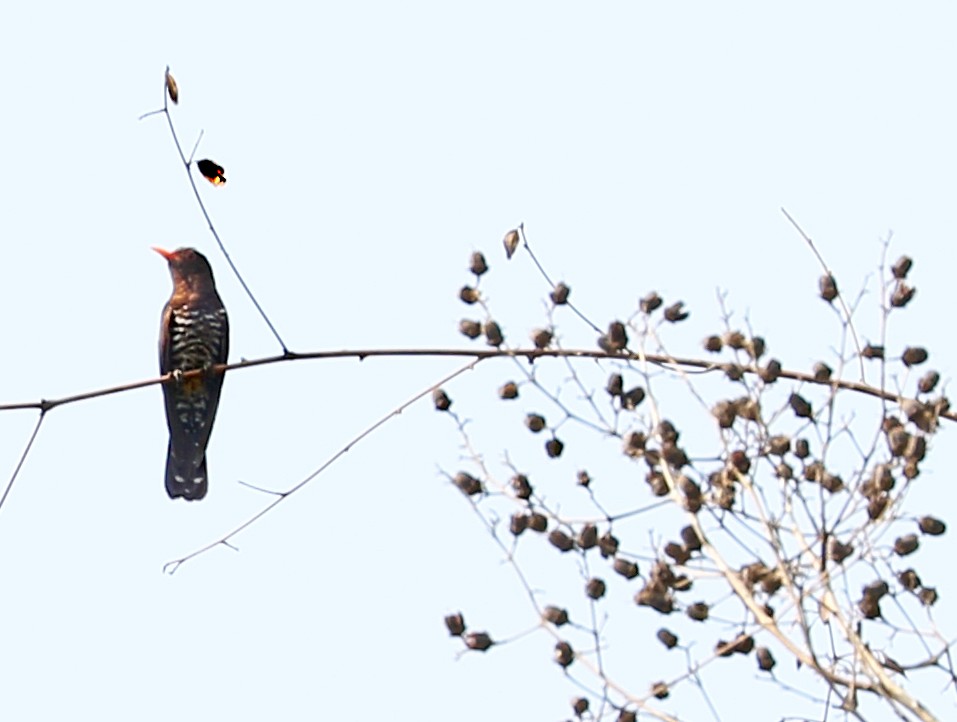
(171, 87)
(511, 242)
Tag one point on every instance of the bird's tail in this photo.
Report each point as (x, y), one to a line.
(185, 479)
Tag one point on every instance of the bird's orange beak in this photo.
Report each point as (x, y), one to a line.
(168, 255)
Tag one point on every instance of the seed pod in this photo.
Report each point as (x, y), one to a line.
(467, 484)
(698, 611)
(723, 648)
(509, 390)
(927, 596)
(872, 351)
(876, 506)
(676, 312)
(822, 372)
(617, 336)
(564, 654)
(469, 295)
(635, 443)
(677, 552)
(615, 385)
(739, 461)
(725, 412)
(928, 382)
(584, 479)
(542, 338)
(171, 87)
(713, 344)
(901, 267)
(559, 294)
(627, 569)
(633, 397)
(870, 607)
(588, 536)
(660, 690)
(510, 242)
(734, 339)
(907, 544)
(748, 409)
(914, 356)
(897, 441)
(554, 448)
(800, 406)
(455, 623)
(743, 644)
(537, 522)
(521, 486)
(535, 422)
(626, 715)
(608, 544)
(579, 706)
(779, 445)
(469, 328)
(770, 373)
(802, 449)
(733, 372)
(479, 641)
(517, 524)
(493, 333)
(560, 540)
(650, 303)
(876, 590)
(828, 287)
(555, 615)
(595, 588)
(909, 579)
(902, 294)
(783, 471)
(837, 551)
(441, 400)
(656, 599)
(931, 526)
(756, 347)
(765, 659)
(667, 638)
(690, 539)
(477, 264)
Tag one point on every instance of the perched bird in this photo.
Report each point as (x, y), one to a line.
(194, 335)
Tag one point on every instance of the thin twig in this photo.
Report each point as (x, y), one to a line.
(23, 458)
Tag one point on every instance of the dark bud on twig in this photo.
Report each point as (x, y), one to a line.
(559, 294)
(632, 398)
(876, 506)
(734, 372)
(676, 312)
(743, 644)
(467, 483)
(472, 329)
(560, 540)
(909, 579)
(902, 267)
(171, 88)
(735, 339)
(542, 338)
(837, 551)
(213, 172)
(628, 569)
(931, 526)
(872, 351)
(660, 690)
(784, 471)
(588, 536)
(564, 654)
(517, 524)
(554, 448)
(634, 445)
(493, 334)
(626, 715)
(822, 372)
(927, 596)
(667, 638)
(907, 544)
(608, 544)
(441, 400)
(584, 479)
(802, 449)
(469, 295)
(509, 390)
(914, 356)
(677, 552)
(615, 339)
(510, 242)
(615, 385)
(555, 615)
(537, 522)
(902, 295)
(756, 347)
(455, 623)
(713, 344)
(479, 641)
(928, 382)
(697, 611)
(521, 486)
(778, 445)
(579, 706)
(595, 588)
(477, 264)
(765, 659)
(650, 303)
(725, 412)
(770, 373)
(800, 406)
(870, 607)
(690, 538)
(828, 287)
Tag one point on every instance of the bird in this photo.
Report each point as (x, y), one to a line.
(194, 334)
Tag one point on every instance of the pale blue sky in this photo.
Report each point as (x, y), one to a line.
(370, 147)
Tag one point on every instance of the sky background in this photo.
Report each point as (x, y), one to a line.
(369, 149)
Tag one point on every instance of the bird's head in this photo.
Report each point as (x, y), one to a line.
(187, 265)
